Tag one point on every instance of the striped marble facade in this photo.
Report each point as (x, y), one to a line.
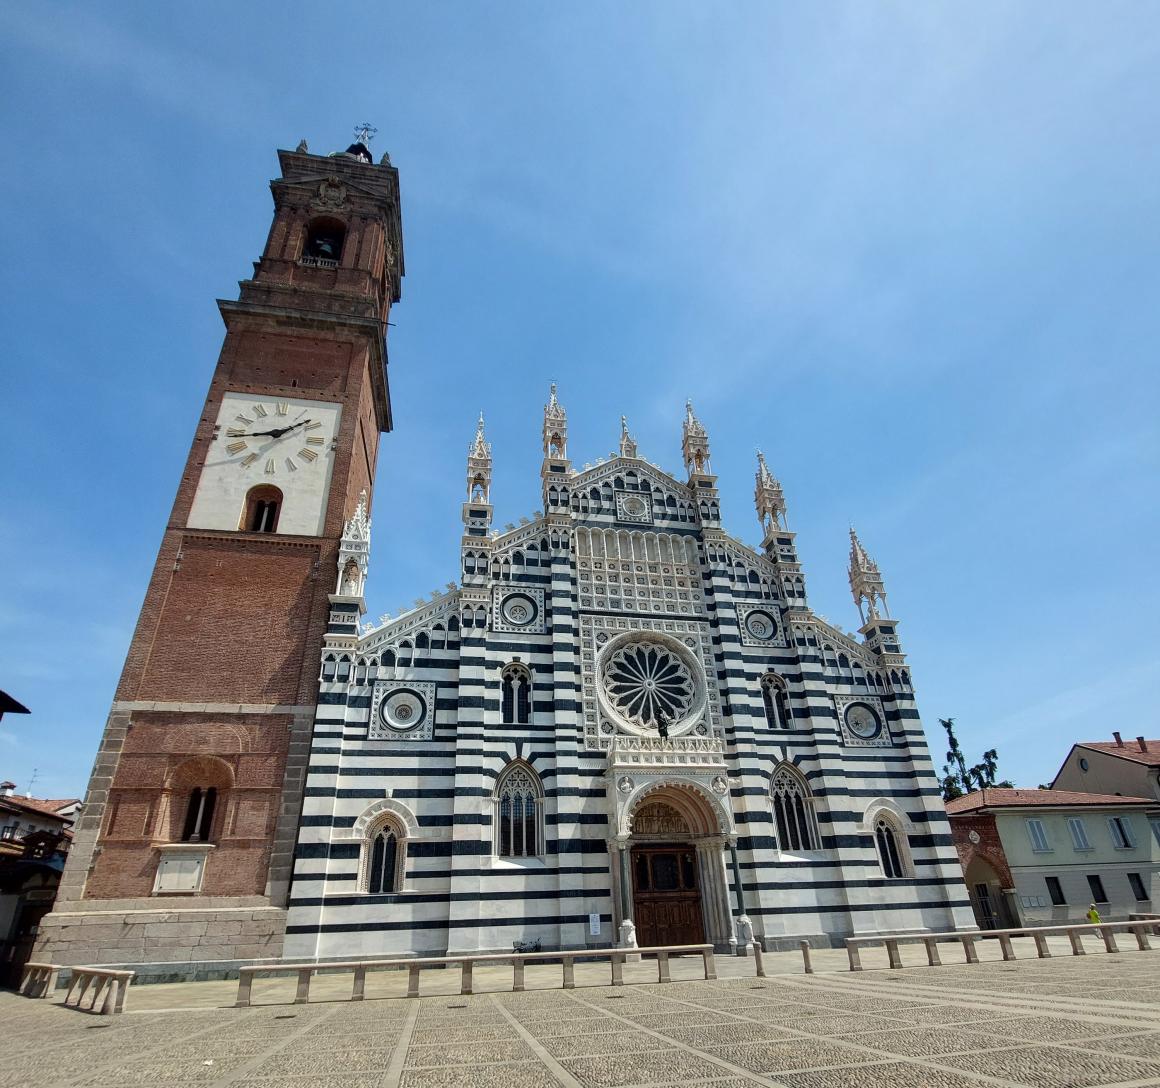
(410, 740)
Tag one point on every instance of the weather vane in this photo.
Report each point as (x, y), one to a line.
(364, 133)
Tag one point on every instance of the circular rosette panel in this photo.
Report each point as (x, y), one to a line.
(518, 610)
(403, 710)
(761, 625)
(647, 681)
(862, 720)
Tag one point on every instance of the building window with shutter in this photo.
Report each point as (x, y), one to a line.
(1079, 837)
(1038, 835)
(1121, 829)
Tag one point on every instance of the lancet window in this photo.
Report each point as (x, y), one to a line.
(793, 812)
(516, 695)
(891, 852)
(519, 808)
(775, 700)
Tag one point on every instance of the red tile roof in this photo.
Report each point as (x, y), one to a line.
(46, 807)
(1130, 749)
(981, 799)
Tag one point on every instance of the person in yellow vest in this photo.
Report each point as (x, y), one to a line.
(1093, 915)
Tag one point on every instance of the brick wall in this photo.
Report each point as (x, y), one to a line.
(989, 846)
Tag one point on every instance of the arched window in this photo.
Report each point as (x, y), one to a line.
(518, 813)
(324, 239)
(775, 699)
(199, 814)
(793, 811)
(343, 673)
(891, 854)
(328, 668)
(384, 858)
(516, 695)
(263, 505)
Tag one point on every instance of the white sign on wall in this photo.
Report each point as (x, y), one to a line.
(594, 925)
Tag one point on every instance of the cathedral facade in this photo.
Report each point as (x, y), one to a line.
(619, 725)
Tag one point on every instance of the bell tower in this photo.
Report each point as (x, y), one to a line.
(194, 799)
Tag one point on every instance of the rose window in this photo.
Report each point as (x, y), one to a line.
(649, 684)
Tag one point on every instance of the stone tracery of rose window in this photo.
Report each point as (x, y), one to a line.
(648, 684)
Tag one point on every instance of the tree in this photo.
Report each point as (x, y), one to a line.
(959, 779)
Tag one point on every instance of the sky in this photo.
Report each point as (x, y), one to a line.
(908, 250)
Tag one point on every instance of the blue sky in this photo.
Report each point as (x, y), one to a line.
(908, 250)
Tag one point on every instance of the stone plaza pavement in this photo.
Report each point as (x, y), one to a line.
(1059, 1023)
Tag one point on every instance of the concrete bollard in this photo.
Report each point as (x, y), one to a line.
(569, 973)
(710, 964)
(617, 970)
(245, 985)
(758, 959)
(465, 977)
(517, 975)
(663, 967)
(809, 967)
(359, 985)
(412, 980)
(302, 993)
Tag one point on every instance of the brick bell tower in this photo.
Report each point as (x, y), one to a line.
(183, 851)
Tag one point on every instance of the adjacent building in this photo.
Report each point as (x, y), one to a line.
(34, 841)
(1131, 768)
(1040, 857)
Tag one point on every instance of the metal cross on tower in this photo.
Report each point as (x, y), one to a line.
(364, 133)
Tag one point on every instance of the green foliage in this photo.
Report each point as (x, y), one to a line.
(957, 778)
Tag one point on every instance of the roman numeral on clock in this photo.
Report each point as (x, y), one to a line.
(259, 411)
(235, 447)
(307, 454)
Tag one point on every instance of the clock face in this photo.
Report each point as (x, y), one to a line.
(268, 441)
(862, 721)
(275, 438)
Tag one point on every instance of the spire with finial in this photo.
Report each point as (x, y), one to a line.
(768, 498)
(479, 467)
(555, 427)
(354, 552)
(627, 442)
(694, 443)
(865, 581)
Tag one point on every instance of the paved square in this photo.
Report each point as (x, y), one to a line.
(1058, 1023)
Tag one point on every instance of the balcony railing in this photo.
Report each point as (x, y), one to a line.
(317, 262)
(665, 751)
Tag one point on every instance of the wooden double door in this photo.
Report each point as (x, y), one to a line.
(666, 896)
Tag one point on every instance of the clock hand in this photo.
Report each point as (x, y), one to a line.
(275, 433)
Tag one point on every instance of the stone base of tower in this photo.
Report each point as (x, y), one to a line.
(183, 942)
